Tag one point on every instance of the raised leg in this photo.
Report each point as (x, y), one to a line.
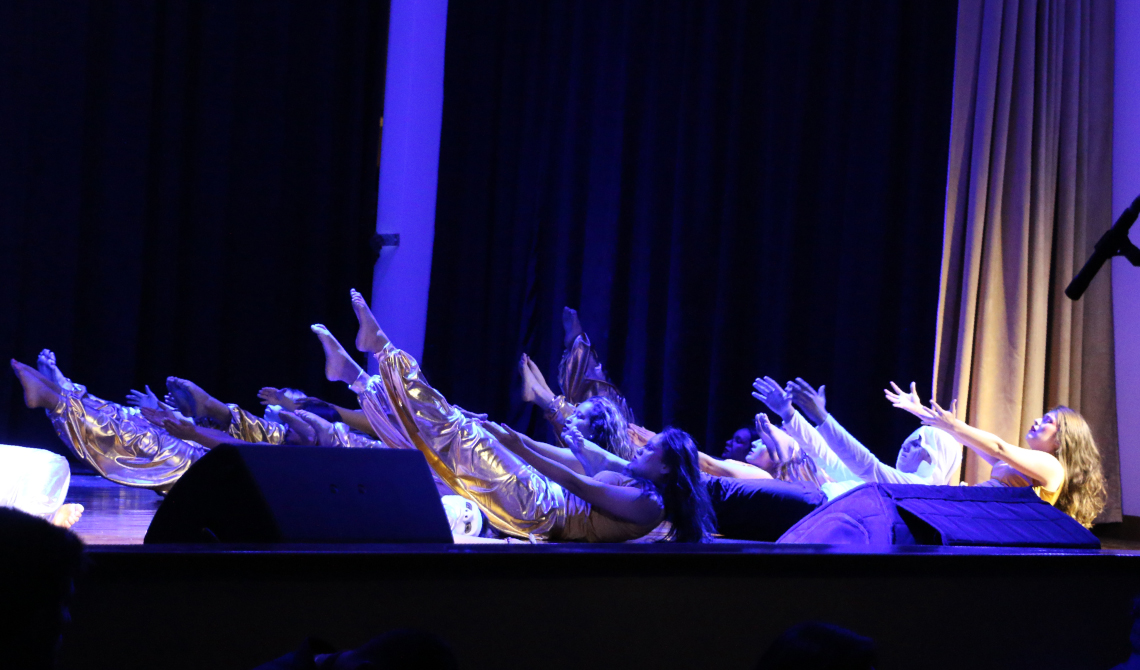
(534, 388)
(46, 364)
(339, 366)
(571, 327)
(299, 432)
(39, 391)
(370, 338)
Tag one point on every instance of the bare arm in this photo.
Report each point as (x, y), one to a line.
(625, 502)
(1039, 466)
(563, 457)
(355, 419)
(734, 469)
(185, 430)
(593, 459)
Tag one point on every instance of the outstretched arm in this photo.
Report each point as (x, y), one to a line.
(185, 430)
(593, 459)
(1039, 466)
(734, 469)
(559, 455)
(625, 502)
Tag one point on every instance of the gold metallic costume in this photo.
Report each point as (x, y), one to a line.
(405, 410)
(581, 377)
(251, 428)
(119, 443)
(352, 439)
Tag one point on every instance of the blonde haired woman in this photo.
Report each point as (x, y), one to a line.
(1062, 463)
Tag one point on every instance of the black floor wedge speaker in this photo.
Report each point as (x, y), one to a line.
(282, 494)
(883, 515)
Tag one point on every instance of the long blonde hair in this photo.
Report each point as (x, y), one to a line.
(611, 430)
(1082, 494)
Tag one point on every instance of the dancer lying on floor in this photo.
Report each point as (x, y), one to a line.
(35, 481)
(748, 503)
(521, 492)
(114, 440)
(581, 376)
(317, 427)
(1062, 463)
(276, 399)
(213, 420)
(927, 456)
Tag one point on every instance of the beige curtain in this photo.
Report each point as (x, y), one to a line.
(1028, 193)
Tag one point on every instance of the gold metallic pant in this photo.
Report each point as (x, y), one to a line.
(405, 410)
(120, 444)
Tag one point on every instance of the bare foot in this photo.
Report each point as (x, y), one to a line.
(534, 387)
(194, 402)
(527, 380)
(46, 364)
(323, 430)
(570, 326)
(539, 379)
(39, 391)
(370, 338)
(339, 366)
(67, 515)
(299, 432)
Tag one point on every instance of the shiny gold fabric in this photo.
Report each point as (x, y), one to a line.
(251, 428)
(118, 443)
(403, 408)
(581, 376)
(351, 439)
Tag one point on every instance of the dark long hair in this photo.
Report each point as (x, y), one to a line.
(321, 408)
(687, 506)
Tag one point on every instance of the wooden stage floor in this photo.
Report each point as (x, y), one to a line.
(117, 515)
(112, 514)
(236, 606)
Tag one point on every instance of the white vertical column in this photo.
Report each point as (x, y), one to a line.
(409, 168)
(1125, 278)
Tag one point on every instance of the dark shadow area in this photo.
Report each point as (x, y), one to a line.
(184, 188)
(723, 190)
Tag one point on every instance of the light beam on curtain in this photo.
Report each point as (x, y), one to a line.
(1029, 192)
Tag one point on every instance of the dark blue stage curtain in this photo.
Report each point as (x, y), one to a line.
(185, 186)
(724, 189)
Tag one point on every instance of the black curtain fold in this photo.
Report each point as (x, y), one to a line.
(724, 190)
(184, 188)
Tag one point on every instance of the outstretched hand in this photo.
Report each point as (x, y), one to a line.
(504, 434)
(941, 418)
(471, 415)
(812, 402)
(771, 394)
(275, 396)
(167, 420)
(909, 402)
(639, 436)
(140, 399)
(323, 431)
(572, 438)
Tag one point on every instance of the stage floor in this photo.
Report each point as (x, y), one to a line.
(119, 515)
(236, 606)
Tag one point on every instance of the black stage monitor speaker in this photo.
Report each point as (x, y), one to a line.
(262, 493)
(905, 514)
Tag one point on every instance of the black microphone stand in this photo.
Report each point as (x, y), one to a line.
(1115, 242)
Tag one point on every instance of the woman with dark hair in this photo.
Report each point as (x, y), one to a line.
(521, 491)
(1062, 463)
